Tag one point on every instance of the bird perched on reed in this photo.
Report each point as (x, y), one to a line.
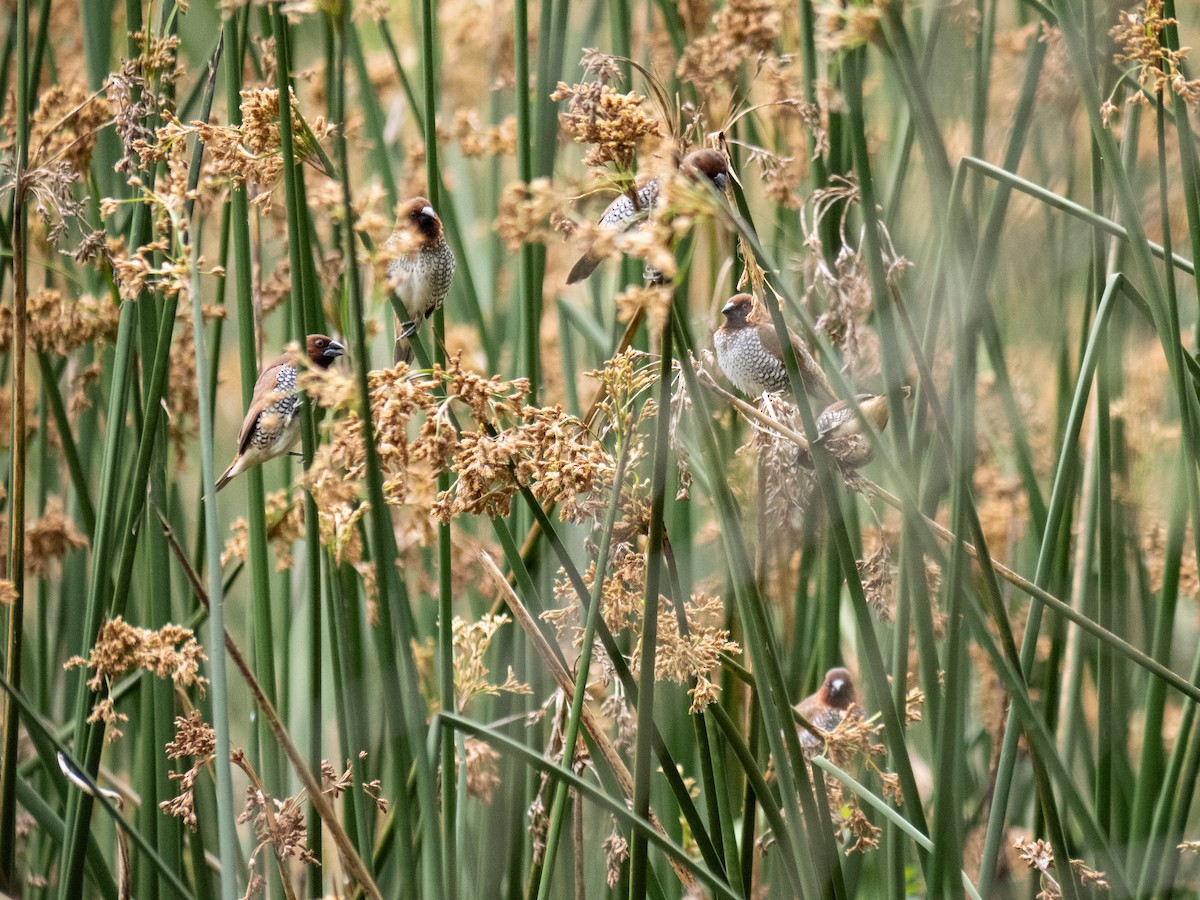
(421, 270)
(272, 426)
(750, 354)
(841, 430)
(631, 207)
(825, 709)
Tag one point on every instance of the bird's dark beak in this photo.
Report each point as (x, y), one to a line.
(727, 309)
(837, 686)
(428, 213)
(720, 180)
(334, 350)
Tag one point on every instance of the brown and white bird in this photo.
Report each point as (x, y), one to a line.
(272, 425)
(751, 356)
(841, 429)
(825, 709)
(838, 420)
(631, 207)
(421, 271)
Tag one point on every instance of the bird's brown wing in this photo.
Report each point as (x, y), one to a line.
(262, 397)
(810, 706)
(811, 374)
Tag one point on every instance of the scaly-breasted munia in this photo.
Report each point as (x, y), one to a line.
(422, 270)
(751, 355)
(825, 709)
(631, 207)
(272, 425)
(841, 429)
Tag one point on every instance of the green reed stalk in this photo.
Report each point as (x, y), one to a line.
(528, 316)
(1055, 201)
(346, 646)
(103, 541)
(587, 790)
(638, 862)
(756, 783)
(112, 510)
(248, 343)
(1080, 59)
(889, 812)
(666, 761)
(583, 667)
(227, 836)
(774, 707)
(403, 705)
(135, 501)
(445, 574)
(1061, 492)
(40, 735)
(873, 662)
(15, 619)
(306, 318)
(1174, 803)
(1187, 146)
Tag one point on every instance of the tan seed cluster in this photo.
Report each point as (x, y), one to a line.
(1139, 34)
(170, 652)
(613, 123)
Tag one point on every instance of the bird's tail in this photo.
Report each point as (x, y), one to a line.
(228, 474)
(584, 267)
(403, 351)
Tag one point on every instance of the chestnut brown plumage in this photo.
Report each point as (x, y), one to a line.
(825, 709)
(841, 430)
(272, 426)
(631, 207)
(750, 354)
(838, 420)
(422, 272)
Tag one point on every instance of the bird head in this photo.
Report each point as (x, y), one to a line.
(737, 310)
(417, 216)
(711, 164)
(838, 689)
(322, 350)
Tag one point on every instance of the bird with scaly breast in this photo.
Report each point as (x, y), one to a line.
(750, 354)
(421, 271)
(840, 429)
(630, 208)
(825, 709)
(272, 424)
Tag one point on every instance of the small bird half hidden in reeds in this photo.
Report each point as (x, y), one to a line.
(842, 431)
(825, 709)
(750, 354)
(272, 424)
(630, 208)
(421, 270)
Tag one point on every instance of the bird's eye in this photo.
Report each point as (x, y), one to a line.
(320, 343)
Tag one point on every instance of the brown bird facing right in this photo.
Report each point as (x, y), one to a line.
(841, 430)
(825, 709)
(631, 207)
(422, 270)
(751, 356)
(272, 426)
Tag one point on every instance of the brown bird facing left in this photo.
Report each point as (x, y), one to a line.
(750, 354)
(631, 207)
(272, 426)
(825, 709)
(422, 270)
